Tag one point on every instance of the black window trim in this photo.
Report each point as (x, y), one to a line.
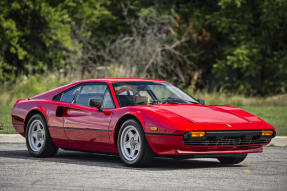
(81, 86)
(113, 85)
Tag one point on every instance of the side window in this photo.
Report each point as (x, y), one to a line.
(108, 100)
(94, 91)
(69, 95)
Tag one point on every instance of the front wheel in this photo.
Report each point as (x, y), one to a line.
(38, 139)
(132, 144)
(232, 160)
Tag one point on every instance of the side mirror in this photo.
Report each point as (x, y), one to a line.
(201, 101)
(97, 103)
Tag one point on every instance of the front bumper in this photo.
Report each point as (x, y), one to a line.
(215, 142)
(212, 138)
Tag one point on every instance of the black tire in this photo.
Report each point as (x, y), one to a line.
(144, 156)
(232, 160)
(48, 148)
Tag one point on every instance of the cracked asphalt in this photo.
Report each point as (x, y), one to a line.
(87, 171)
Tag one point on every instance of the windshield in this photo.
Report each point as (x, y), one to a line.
(149, 93)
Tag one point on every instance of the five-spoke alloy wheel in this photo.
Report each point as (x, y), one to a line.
(38, 139)
(36, 135)
(132, 145)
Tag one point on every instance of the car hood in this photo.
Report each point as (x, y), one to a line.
(209, 114)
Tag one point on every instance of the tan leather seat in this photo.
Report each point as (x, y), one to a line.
(140, 100)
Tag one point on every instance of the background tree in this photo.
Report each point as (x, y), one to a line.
(224, 45)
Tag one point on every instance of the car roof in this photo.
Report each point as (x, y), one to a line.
(113, 80)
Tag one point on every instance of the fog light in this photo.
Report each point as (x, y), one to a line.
(267, 133)
(197, 134)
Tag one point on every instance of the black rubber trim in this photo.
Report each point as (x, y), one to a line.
(164, 134)
(187, 135)
(82, 129)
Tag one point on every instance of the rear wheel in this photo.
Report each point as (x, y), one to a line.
(38, 140)
(132, 144)
(232, 160)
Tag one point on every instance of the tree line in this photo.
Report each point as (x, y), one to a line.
(236, 46)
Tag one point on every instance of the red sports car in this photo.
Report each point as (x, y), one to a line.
(139, 119)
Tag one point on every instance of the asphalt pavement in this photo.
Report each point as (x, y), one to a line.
(87, 171)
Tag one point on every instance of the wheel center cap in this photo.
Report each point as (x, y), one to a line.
(132, 142)
(39, 135)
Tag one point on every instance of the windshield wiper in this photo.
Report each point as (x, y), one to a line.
(175, 100)
(154, 102)
(171, 101)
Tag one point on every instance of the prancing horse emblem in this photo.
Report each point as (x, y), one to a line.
(228, 125)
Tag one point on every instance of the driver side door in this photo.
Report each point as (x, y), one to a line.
(86, 127)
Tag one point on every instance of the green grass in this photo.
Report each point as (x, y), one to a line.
(5, 120)
(24, 87)
(28, 87)
(221, 98)
(276, 116)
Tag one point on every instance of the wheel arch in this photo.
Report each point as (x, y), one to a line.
(31, 113)
(122, 120)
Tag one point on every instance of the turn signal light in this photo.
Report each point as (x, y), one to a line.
(153, 128)
(198, 134)
(267, 133)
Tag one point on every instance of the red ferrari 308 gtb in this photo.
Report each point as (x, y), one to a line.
(137, 118)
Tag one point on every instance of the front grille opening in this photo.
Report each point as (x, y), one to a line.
(228, 140)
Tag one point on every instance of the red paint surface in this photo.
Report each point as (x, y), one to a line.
(86, 128)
